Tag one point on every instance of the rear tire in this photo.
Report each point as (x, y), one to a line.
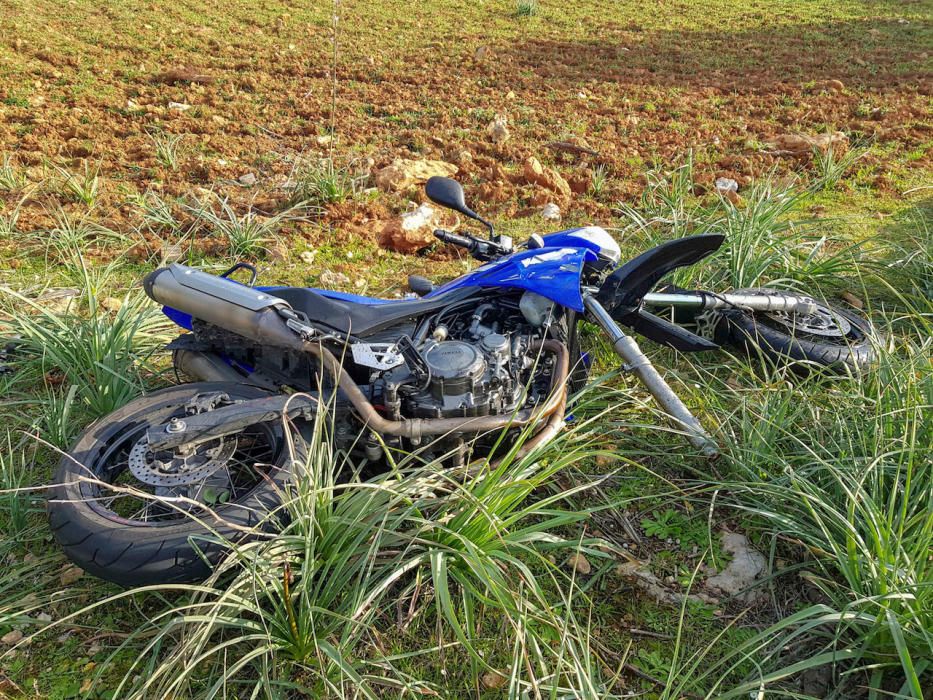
(783, 338)
(134, 552)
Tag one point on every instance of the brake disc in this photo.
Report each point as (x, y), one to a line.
(174, 468)
(823, 322)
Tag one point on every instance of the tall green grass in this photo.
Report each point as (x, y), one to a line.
(248, 234)
(104, 356)
(306, 610)
(840, 474)
(768, 236)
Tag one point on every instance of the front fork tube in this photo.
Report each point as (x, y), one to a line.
(761, 301)
(636, 361)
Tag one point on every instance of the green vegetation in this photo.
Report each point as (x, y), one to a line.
(323, 182)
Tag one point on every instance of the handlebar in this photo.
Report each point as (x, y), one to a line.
(479, 248)
(454, 239)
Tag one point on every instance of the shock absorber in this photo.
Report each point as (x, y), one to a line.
(637, 362)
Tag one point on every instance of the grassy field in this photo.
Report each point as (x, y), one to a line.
(136, 133)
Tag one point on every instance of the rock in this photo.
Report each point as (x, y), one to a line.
(324, 139)
(550, 212)
(307, 256)
(536, 174)
(179, 106)
(404, 173)
(278, 253)
(70, 575)
(579, 563)
(604, 461)
(746, 565)
(493, 680)
(830, 85)
(111, 304)
(726, 184)
(734, 198)
(247, 179)
(498, 130)
(329, 278)
(171, 252)
(802, 146)
(461, 157)
(58, 301)
(414, 230)
(11, 638)
(44, 617)
(852, 300)
(183, 75)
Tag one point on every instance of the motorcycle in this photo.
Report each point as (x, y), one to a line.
(149, 493)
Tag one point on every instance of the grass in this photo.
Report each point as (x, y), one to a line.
(474, 567)
(15, 505)
(831, 166)
(168, 148)
(307, 604)
(83, 187)
(599, 180)
(102, 356)
(855, 493)
(12, 178)
(323, 182)
(247, 235)
(526, 8)
(9, 221)
(768, 236)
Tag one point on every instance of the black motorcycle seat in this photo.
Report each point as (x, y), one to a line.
(360, 320)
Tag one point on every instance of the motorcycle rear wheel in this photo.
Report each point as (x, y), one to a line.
(833, 338)
(100, 515)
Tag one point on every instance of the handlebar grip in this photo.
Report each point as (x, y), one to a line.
(453, 238)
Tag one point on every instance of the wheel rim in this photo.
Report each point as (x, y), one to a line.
(823, 322)
(118, 494)
(825, 325)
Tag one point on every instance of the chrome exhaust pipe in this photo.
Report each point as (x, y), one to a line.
(243, 310)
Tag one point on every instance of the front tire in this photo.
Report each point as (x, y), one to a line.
(833, 338)
(119, 536)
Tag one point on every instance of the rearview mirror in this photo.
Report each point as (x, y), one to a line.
(448, 193)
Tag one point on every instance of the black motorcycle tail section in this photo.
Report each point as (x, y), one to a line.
(624, 289)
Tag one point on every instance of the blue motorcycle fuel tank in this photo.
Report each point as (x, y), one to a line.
(552, 272)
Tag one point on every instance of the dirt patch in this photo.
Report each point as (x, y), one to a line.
(258, 92)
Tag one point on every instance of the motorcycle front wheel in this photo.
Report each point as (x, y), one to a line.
(831, 337)
(137, 518)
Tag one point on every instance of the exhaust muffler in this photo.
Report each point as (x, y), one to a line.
(235, 307)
